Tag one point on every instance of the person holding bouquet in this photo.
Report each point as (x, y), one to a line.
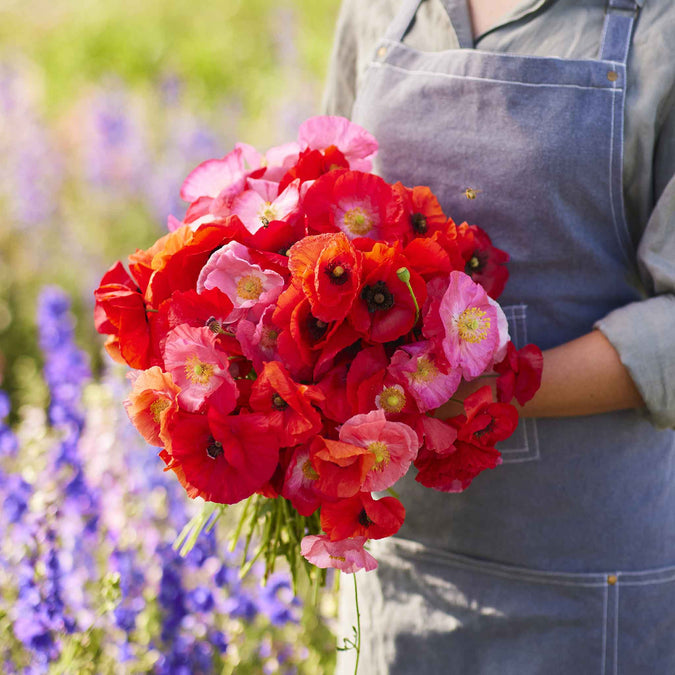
(549, 123)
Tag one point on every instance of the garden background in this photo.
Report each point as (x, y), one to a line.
(104, 109)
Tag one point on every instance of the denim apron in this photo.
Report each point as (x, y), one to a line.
(561, 560)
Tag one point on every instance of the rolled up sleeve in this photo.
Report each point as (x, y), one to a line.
(643, 333)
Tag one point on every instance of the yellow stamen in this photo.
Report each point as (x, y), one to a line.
(472, 325)
(268, 214)
(337, 557)
(357, 221)
(426, 370)
(381, 454)
(308, 471)
(391, 400)
(157, 407)
(197, 371)
(249, 287)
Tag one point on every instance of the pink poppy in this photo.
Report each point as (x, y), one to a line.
(299, 482)
(467, 325)
(415, 365)
(347, 555)
(354, 142)
(393, 445)
(276, 161)
(231, 271)
(259, 340)
(214, 176)
(199, 368)
(262, 204)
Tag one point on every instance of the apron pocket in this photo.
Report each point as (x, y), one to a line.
(523, 445)
(441, 614)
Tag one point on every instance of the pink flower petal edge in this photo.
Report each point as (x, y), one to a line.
(346, 555)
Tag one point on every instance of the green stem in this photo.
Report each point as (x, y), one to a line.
(240, 524)
(403, 273)
(358, 626)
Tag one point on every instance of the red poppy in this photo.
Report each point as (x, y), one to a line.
(222, 459)
(314, 163)
(486, 422)
(328, 268)
(358, 204)
(365, 377)
(385, 309)
(342, 467)
(305, 341)
(177, 266)
(299, 481)
(519, 373)
(428, 257)
(423, 211)
(121, 312)
(287, 405)
(333, 385)
(209, 308)
(453, 470)
(361, 515)
(486, 264)
(151, 403)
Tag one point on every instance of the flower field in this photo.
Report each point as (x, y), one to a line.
(104, 109)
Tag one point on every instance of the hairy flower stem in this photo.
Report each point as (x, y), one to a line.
(404, 275)
(358, 625)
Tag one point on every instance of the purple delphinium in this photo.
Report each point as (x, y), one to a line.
(8, 441)
(116, 150)
(66, 369)
(31, 171)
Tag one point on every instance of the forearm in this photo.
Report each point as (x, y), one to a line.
(583, 377)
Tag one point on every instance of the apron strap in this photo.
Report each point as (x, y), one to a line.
(620, 18)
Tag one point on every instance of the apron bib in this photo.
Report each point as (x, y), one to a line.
(530, 559)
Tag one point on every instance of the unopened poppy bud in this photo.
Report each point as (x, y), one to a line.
(403, 274)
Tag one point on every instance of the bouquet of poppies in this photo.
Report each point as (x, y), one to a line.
(292, 337)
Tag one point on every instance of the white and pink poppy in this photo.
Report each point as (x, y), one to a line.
(346, 555)
(247, 285)
(394, 446)
(215, 176)
(354, 142)
(415, 365)
(258, 340)
(199, 368)
(472, 331)
(260, 205)
(276, 161)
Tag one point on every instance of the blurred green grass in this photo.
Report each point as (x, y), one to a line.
(219, 49)
(246, 70)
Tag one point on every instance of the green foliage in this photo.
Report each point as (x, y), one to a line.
(222, 48)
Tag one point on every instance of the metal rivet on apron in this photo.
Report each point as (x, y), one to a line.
(381, 52)
(612, 579)
(612, 76)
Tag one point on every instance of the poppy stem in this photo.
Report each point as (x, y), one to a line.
(403, 273)
(358, 626)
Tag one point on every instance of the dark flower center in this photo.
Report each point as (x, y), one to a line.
(364, 520)
(419, 223)
(316, 328)
(476, 263)
(214, 449)
(377, 297)
(337, 272)
(279, 402)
